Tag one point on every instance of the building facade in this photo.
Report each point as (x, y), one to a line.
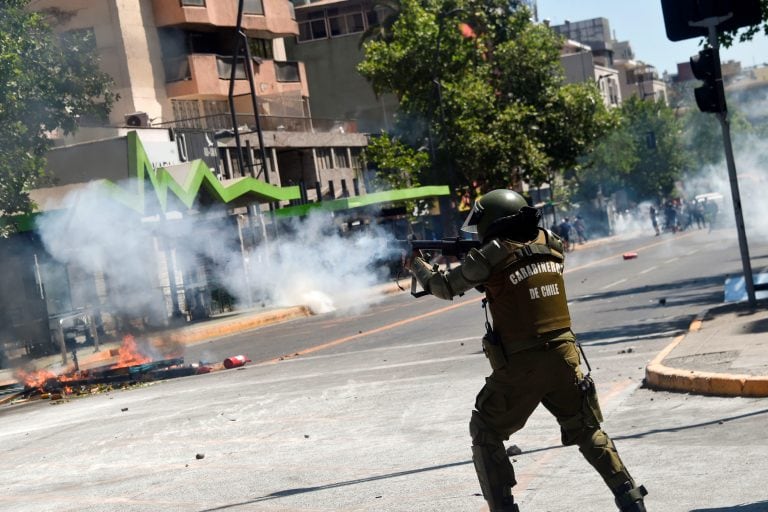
(633, 77)
(171, 62)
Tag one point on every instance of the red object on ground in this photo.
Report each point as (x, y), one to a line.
(235, 361)
(629, 255)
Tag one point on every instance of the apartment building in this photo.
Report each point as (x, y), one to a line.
(171, 61)
(329, 42)
(633, 77)
(580, 65)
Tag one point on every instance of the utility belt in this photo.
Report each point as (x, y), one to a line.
(546, 346)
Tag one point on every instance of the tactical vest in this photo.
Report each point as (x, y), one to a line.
(526, 293)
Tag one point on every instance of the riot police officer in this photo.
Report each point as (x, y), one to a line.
(530, 346)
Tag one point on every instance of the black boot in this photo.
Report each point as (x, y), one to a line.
(630, 498)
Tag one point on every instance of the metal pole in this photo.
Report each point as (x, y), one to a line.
(735, 196)
(231, 98)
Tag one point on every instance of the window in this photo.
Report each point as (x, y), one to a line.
(324, 158)
(193, 3)
(333, 22)
(287, 71)
(261, 48)
(313, 29)
(340, 154)
(253, 7)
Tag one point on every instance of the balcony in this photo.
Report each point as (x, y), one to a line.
(223, 123)
(206, 75)
(267, 19)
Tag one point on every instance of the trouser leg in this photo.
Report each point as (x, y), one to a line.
(492, 465)
(578, 412)
(598, 448)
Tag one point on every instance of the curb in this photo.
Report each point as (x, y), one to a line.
(663, 378)
(203, 332)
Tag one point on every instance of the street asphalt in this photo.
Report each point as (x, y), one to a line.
(347, 430)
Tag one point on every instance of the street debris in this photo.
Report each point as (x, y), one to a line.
(129, 366)
(235, 361)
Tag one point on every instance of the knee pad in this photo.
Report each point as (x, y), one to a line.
(598, 449)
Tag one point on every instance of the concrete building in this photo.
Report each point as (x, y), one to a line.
(634, 77)
(581, 65)
(330, 43)
(171, 62)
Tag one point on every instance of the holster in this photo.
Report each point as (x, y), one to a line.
(494, 350)
(591, 403)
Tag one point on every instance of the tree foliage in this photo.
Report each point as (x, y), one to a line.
(49, 81)
(644, 157)
(727, 39)
(482, 87)
(397, 164)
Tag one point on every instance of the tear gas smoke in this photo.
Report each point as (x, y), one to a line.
(314, 265)
(134, 261)
(749, 154)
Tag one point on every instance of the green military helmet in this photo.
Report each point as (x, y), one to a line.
(497, 208)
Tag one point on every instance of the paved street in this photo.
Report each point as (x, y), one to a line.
(373, 413)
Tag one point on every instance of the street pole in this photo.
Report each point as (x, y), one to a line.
(736, 198)
(711, 24)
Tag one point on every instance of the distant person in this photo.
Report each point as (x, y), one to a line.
(564, 230)
(698, 214)
(710, 213)
(670, 217)
(654, 220)
(581, 229)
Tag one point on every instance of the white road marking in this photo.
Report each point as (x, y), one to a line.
(611, 285)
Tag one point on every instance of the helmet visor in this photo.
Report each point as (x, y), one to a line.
(473, 219)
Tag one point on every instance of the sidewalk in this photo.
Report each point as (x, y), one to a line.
(724, 353)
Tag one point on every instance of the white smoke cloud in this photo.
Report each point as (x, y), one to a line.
(313, 265)
(750, 153)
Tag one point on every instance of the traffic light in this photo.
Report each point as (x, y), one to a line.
(710, 96)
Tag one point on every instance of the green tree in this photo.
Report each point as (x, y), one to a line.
(397, 164)
(703, 136)
(49, 81)
(483, 85)
(645, 156)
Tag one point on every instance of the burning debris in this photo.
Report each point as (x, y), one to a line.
(131, 365)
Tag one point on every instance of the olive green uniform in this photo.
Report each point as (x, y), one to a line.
(533, 355)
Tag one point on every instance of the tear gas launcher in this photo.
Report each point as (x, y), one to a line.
(434, 250)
